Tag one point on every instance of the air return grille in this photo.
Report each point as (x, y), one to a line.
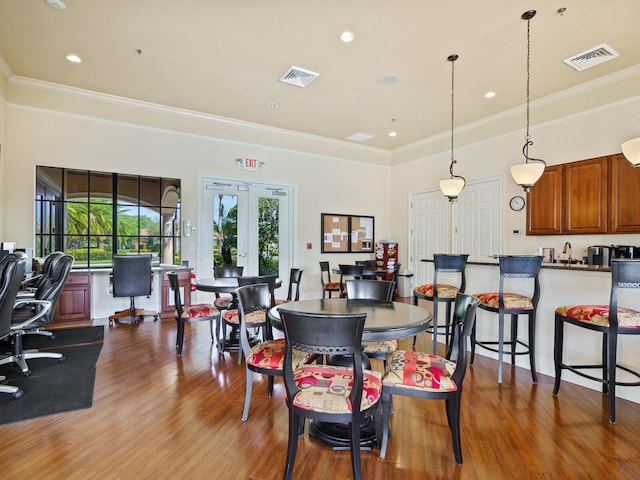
(298, 76)
(592, 57)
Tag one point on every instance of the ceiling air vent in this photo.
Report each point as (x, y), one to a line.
(298, 76)
(592, 57)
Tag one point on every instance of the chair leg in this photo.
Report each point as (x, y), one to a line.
(247, 395)
(557, 352)
(448, 324)
(435, 327)
(532, 346)
(453, 416)
(386, 407)
(500, 345)
(180, 336)
(270, 385)
(514, 338)
(612, 347)
(415, 302)
(472, 341)
(292, 445)
(603, 362)
(355, 446)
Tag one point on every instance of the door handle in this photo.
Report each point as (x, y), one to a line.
(244, 254)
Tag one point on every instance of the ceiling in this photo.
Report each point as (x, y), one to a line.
(226, 58)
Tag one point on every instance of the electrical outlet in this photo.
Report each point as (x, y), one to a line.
(309, 246)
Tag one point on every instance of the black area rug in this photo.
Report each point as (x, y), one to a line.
(54, 386)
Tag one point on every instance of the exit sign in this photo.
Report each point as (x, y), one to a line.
(250, 164)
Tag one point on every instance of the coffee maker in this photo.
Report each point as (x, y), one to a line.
(600, 255)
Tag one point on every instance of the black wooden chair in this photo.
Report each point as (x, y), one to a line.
(347, 272)
(132, 278)
(609, 320)
(295, 277)
(222, 302)
(449, 266)
(11, 273)
(325, 279)
(521, 269)
(345, 394)
(426, 375)
(192, 313)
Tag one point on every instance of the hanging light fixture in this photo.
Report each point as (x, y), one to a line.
(451, 187)
(528, 173)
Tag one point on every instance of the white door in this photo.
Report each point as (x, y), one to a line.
(244, 224)
(478, 219)
(428, 233)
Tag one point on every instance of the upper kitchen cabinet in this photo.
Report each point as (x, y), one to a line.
(587, 197)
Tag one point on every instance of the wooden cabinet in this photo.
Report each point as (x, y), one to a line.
(624, 208)
(184, 281)
(74, 302)
(591, 196)
(548, 192)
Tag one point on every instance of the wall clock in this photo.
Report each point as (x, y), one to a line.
(516, 203)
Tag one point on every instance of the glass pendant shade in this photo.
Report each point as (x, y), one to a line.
(527, 174)
(631, 150)
(451, 187)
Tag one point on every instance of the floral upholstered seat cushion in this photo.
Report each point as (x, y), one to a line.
(444, 290)
(270, 354)
(332, 286)
(419, 371)
(382, 346)
(198, 310)
(326, 388)
(255, 317)
(281, 301)
(512, 301)
(223, 303)
(599, 315)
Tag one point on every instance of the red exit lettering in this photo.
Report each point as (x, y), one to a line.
(250, 162)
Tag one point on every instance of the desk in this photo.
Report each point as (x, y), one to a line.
(385, 321)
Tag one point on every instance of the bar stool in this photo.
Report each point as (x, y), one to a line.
(442, 292)
(609, 320)
(516, 267)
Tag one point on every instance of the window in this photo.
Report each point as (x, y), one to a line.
(94, 215)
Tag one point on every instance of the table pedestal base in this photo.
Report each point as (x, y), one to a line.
(232, 342)
(336, 435)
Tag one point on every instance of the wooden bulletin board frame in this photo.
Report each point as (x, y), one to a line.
(347, 233)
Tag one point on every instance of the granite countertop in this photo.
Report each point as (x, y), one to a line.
(553, 266)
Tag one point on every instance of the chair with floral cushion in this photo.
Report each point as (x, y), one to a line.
(610, 320)
(427, 375)
(328, 393)
(381, 291)
(192, 313)
(295, 276)
(449, 266)
(513, 269)
(222, 302)
(265, 357)
(325, 280)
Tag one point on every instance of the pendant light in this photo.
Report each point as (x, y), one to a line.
(631, 150)
(528, 173)
(451, 187)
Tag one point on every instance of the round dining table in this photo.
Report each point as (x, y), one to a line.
(385, 321)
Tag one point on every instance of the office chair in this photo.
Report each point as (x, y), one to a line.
(30, 315)
(11, 273)
(132, 278)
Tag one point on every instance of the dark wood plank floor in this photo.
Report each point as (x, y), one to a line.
(157, 416)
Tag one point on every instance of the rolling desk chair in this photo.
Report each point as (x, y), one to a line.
(132, 278)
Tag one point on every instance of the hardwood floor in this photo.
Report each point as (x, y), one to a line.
(157, 416)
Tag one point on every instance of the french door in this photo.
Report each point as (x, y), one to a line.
(244, 224)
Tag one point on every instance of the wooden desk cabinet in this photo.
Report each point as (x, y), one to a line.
(184, 281)
(74, 302)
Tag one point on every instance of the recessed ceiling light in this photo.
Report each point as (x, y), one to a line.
(392, 134)
(57, 4)
(273, 105)
(74, 58)
(347, 36)
(489, 94)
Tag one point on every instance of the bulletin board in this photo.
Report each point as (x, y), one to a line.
(346, 233)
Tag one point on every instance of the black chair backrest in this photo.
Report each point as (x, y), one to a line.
(354, 271)
(270, 280)
(132, 275)
(381, 290)
(295, 276)
(177, 299)
(450, 263)
(324, 334)
(51, 289)
(324, 267)
(521, 266)
(624, 274)
(11, 273)
(366, 263)
(228, 271)
(251, 297)
(464, 316)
